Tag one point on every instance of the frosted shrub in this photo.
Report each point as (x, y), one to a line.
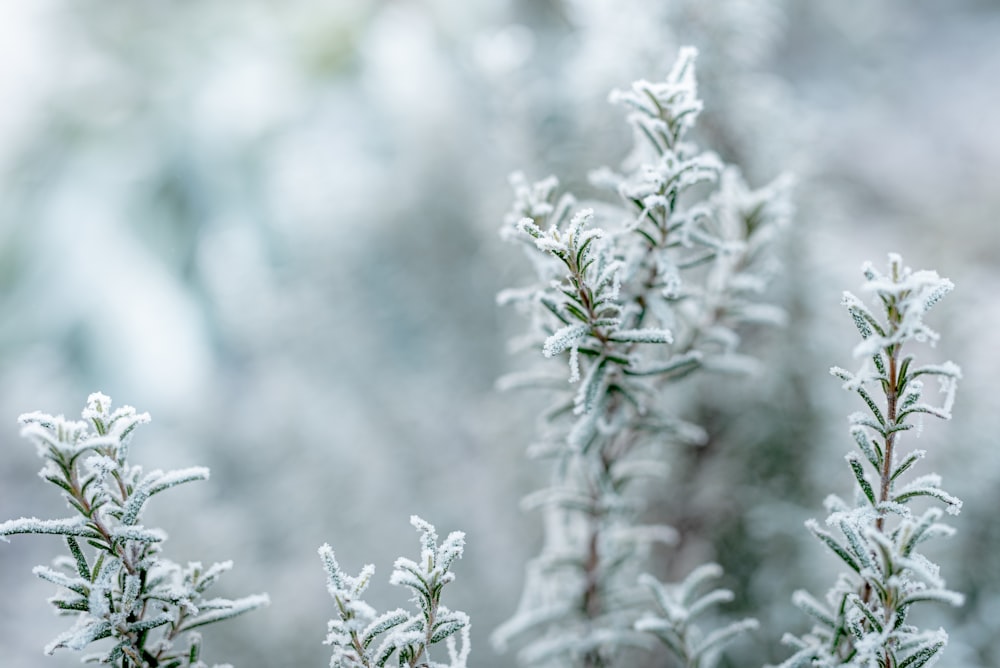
(115, 582)
(864, 620)
(631, 295)
(363, 638)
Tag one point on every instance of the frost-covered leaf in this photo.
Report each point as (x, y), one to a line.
(73, 526)
(383, 623)
(564, 338)
(642, 336)
(221, 609)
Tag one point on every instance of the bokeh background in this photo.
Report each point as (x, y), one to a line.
(273, 225)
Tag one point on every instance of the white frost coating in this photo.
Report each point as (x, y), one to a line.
(98, 406)
(574, 364)
(55, 577)
(100, 465)
(563, 339)
(531, 201)
(139, 533)
(914, 294)
(164, 481)
(73, 526)
(678, 94)
(646, 335)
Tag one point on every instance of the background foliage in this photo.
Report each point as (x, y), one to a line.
(273, 226)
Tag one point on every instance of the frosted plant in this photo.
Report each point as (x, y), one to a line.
(677, 606)
(864, 620)
(361, 637)
(631, 295)
(114, 580)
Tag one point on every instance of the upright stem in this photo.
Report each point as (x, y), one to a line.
(891, 396)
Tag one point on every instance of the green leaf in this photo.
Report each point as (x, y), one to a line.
(719, 638)
(926, 522)
(447, 627)
(907, 462)
(553, 308)
(195, 648)
(382, 624)
(407, 574)
(81, 561)
(178, 477)
(147, 624)
(809, 605)
(231, 609)
(932, 492)
(383, 657)
(922, 656)
(62, 484)
(665, 633)
(871, 450)
(75, 605)
(872, 406)
(904, 369)
(872, 618)
(576, 312)
(646, 236)
(859, 475)
(676, 367)
(936, 595)
(879, 360)
(837, 548)
(99, 563)
(73, 526)
(581, 252)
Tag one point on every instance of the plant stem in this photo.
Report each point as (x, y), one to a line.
(891, 395)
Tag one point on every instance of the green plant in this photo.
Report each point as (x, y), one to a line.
(115, 582)
(658, 291)
(865, 620)
(360, 637)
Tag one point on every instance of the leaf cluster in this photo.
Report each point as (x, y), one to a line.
(362, 637)
(115, 582)
(678, 606)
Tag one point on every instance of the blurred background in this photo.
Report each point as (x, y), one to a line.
(273, 225)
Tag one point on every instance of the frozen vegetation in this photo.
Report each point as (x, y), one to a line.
(657, 292)
(633, 295)
(865, 620)
(273, 226)
(146, 605)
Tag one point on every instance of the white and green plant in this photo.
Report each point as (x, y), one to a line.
(631, 295)
(115, 582)
(865, 619)
(677, 610)
(363, 638)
